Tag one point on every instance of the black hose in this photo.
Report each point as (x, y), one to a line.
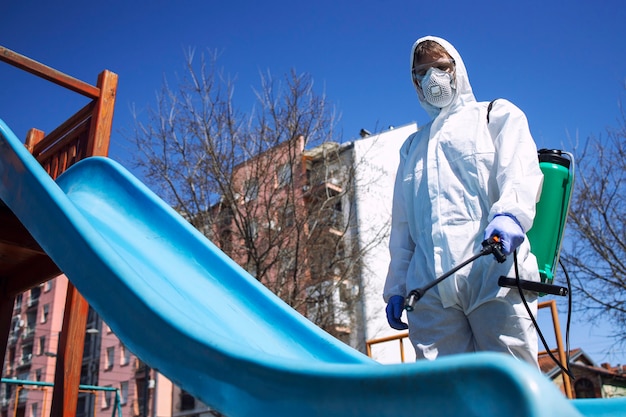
(532, 317)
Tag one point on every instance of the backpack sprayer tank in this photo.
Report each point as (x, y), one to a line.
(546, 234)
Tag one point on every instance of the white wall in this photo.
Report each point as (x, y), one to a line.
(376, 158)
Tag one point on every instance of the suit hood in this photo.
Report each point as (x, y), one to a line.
(463, 93)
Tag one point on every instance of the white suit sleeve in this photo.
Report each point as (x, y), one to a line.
(518, 175)
(401, 245)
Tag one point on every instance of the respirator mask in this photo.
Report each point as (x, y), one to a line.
(437, 83)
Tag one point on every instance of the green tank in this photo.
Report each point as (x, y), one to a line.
(546, 234)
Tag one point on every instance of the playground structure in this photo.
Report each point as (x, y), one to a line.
(23, 264)
(205, 322)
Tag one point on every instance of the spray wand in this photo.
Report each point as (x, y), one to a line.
(490, 246)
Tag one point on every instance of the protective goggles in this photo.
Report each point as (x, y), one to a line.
(444, 64)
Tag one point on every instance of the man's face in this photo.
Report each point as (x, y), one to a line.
(443, 62)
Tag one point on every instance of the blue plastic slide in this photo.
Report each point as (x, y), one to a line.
(186, 309)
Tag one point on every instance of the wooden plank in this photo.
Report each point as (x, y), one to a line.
(48, 73)
(14, 233)
(38, 269)
(63, 134)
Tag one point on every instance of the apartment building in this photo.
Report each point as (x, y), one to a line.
(286, 219)
(32, 351)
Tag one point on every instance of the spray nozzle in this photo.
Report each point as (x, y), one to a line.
(494, 245)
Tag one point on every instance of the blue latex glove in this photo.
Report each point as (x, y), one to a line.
(395, 306)
(508, 229)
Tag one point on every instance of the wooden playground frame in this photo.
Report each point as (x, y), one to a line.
(23, 264)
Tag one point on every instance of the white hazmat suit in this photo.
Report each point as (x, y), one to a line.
(456, 173)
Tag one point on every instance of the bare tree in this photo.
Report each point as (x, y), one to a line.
(273, 188)
(595, 253)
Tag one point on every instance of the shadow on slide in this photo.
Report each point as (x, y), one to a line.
(186, 309)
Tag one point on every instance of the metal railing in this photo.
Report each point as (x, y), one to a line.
(567, 384)
(399, 337)
(20, 398)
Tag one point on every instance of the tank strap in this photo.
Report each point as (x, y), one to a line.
(489, 108)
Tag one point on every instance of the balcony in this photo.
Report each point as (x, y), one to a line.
(141, 369)
(32, 302)
(28, 333)
(25, 361)
(322, 190)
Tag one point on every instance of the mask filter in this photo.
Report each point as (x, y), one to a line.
(437, 87)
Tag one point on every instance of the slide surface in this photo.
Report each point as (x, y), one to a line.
(186, 309)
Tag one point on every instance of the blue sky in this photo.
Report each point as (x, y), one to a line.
(562, 62)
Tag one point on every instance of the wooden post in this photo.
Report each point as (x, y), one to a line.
(70, 355)
(102, 117)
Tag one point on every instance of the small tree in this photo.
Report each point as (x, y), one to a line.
(595, 254)
(272, 188)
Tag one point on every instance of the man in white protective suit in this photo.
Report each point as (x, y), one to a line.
(467, 175)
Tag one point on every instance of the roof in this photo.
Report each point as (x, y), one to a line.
(579, 359)
(550, 368)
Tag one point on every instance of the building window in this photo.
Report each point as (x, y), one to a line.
(187, 401)
(226, 242)
(124, 356)
(252, 229)
(34, 410)
(27, 354)
(81, 405)
(123, 392)
(286, 263)
(38, 374)
(290, 216)
(31, 322)
(85, 374)
(283, 175)
(35, 292)
(251, 190)
(41, 348)
(584, 388)
(8, 390)
(106, 397)
(110, 358)
(47, 286)
(45, 312)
